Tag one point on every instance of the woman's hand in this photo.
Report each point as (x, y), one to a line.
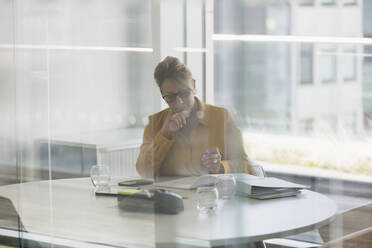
(172, 124)
(211, 159)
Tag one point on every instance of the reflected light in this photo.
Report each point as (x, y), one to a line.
(291, 38)
(80, 48)
(271, 24)
(190, 50)
(346, 54)
(132, 119)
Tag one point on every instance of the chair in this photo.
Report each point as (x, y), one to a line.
(352, 228)
(257, 168)
(360, 239)
(10, 220)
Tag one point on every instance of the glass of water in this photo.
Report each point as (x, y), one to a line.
(100, 176)
(206, 198)
(226, 186)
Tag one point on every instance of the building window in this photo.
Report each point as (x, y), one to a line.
(350, 2)
(306, 2)
(327, 63)
(307, 126)
(305, 70)
(328, 2)
(350, 122)
(349, 63)
(327, 123)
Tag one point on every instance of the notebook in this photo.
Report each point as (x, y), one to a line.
(265, 185)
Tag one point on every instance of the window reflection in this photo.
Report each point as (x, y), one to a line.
(77, 86)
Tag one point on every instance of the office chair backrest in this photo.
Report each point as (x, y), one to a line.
(8, 215)
(359, 239)
(352, 228)
(10, 220)
(257, 168)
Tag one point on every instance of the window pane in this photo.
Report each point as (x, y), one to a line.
(327, 124)
(254, 85)
(328, 2)
(327, 63)
(305, 70)
(350, 2)
(349, 63)
(367, 89)
(306, 2)
(307, 126)
(349, 123)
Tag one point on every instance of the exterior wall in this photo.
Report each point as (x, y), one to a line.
(341, 98)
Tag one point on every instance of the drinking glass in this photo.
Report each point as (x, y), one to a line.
(206, 198)
(100, 176)
(226, 186)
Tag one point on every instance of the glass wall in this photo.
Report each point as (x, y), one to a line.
(75, 76)
(77, 90)
(285, 76)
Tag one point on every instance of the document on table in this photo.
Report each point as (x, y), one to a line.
(197, 181)
(265, 184)
(189, 182)
(267, 187)
(246, 185)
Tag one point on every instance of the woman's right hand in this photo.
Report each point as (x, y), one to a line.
(172, 124)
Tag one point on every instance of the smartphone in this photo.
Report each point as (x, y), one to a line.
(136, 182)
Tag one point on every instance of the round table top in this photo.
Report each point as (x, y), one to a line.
(69, 209)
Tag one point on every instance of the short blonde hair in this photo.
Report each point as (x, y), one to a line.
(171, 68)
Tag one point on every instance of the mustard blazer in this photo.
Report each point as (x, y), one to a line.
(181, 156)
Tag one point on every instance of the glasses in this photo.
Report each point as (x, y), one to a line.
(206, 198)
(100, 176)
(183, 94)
(226, 186)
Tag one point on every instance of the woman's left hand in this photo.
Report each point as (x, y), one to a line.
(211, 159)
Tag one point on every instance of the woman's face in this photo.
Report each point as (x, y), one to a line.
(179, 95)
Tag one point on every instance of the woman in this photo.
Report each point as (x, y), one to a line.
(190, 137)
